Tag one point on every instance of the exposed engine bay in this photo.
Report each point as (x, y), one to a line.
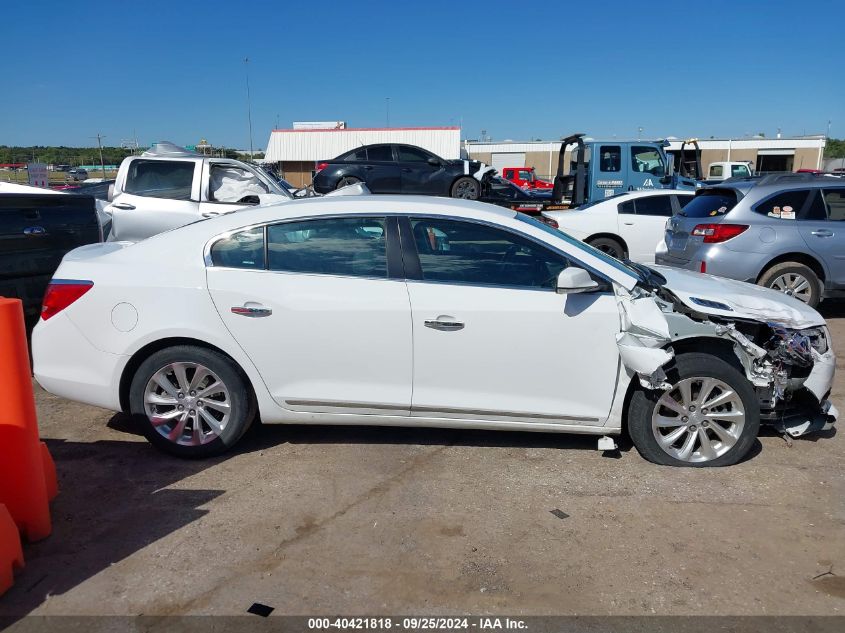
(790, 363)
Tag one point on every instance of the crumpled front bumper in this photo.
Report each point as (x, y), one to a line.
(814, 417)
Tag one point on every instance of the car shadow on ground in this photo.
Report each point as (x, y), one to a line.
(832, 308)
(114, 499)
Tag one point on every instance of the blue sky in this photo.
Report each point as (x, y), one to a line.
(174, 70)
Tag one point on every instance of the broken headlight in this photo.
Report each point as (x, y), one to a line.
(790, 346)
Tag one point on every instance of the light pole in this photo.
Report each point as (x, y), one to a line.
(248, 106)
(99, 138)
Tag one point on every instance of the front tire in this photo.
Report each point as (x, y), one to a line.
(795, 280)
(191, 401)
(709, 418)
(466, 188)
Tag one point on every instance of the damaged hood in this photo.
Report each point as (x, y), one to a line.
(707, 293)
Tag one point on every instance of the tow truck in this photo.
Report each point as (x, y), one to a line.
(525, 177)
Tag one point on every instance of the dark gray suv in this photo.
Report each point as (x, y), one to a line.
(785, 232)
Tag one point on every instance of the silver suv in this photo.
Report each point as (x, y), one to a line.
(784, 231)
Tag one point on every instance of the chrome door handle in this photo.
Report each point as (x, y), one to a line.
(123, 205)
(251, 311)
(35, 230)
(210, 214)
(822, 233)
(445, 324)
(628, 223)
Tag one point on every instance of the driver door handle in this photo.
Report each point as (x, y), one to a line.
(445, 324)
(123, 205)
(822, 233)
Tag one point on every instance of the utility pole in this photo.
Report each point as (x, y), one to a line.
(99, 138)
(248, 106)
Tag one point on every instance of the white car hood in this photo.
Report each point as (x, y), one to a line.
(745, 300)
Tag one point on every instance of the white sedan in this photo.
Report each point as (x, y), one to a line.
(421, 311)
(627, 225)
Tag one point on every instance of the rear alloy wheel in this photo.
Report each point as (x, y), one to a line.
(346, 181)
(795, 280)
(192, 401)
(608, 245)
(467, 188)
(710, 416)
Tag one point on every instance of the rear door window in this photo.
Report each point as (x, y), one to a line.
(359, 155)
(710, 203)
(783, 206)
(654, 205)
(160, 179)
(380, 153)
(626, 207)
(244, 249)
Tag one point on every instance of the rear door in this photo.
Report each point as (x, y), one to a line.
(155, 195)
(417, 174)
(35, 233)
(642, 221)
(381, 171)
(823, 229)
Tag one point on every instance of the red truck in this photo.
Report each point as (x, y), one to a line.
(525, 177)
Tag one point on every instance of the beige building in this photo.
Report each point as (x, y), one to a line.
(765, 154)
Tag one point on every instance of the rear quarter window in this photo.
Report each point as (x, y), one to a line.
(782, 206)
(710, 203)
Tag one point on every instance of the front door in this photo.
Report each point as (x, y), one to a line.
(417, 174)
(645, 167)
(156, 196)
(492, 338)
(318, 312)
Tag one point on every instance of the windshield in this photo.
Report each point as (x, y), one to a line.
(709, 203)
(633, 271)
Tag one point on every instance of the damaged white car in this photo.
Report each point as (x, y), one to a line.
(419, 311)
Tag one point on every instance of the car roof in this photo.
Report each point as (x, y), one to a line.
(762, 186)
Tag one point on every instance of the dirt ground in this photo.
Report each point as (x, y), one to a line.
(326, 520)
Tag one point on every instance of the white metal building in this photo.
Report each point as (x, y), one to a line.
(299, 149)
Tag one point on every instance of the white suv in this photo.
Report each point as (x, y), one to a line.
(167, 187)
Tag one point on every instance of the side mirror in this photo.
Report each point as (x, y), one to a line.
(110, 195)
(574, 280)
(434, 162)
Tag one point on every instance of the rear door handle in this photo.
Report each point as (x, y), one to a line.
(368, 167)
(252, 310)
(822, 233)
(406, 170)
(210, 214)
(445, 324)
(123, 205)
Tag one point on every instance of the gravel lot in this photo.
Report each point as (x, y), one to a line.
(320, 520)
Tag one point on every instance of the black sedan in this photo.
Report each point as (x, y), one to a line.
(394, 168)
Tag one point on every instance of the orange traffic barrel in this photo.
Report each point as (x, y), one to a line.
(11, 554)
(23, 487)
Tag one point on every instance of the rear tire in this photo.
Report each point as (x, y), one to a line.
(466, 188)
(795, 280)
(191, 401)
(691, 434)
(610, 246)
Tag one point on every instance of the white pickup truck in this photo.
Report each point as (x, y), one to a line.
(722, 170)
(168, 186)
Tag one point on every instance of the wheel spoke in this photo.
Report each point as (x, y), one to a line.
(196, 436)
(686, 392)
(726, 415)
(212, 389)
(164, 382)
(662, 421)
(181, 376)
(707, 451)
(802, 286)
(689, 444)
(722, 398)
(723, 433)
(211, 421)
(707, 387)
(220, 406)
(163, 418)
(670, 438)
(199, 375)
(178, 429)
(161, 399)
(673, 405)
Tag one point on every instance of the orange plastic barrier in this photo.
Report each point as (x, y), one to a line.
(23, 486)
(11, 554)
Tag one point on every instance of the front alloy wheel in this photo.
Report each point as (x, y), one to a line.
(708, 417)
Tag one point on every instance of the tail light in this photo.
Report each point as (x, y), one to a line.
(715, 233)
(549, 221)
(321, 166)
(61, 293)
